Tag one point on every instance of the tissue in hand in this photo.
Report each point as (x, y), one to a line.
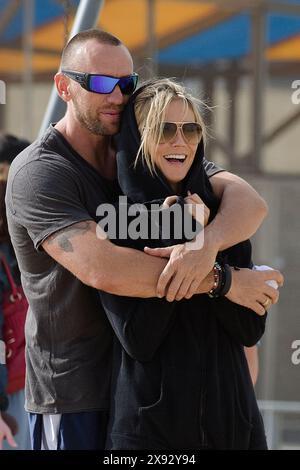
(263, 267)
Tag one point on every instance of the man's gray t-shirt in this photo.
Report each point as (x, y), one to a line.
(68, 338)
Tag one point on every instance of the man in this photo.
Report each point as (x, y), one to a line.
(54, 190)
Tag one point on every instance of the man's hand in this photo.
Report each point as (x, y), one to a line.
(8, 427)
(185, 270)
(241, 210)
(249, 288)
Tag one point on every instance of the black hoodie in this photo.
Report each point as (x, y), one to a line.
(180, 377)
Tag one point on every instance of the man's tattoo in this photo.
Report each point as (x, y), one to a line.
(63, 237)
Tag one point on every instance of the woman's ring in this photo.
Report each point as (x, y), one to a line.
(266, 304)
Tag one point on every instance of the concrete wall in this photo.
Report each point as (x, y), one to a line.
(22, 119)
(277, 243)
(283, 154)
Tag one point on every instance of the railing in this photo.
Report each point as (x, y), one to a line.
(276, 416)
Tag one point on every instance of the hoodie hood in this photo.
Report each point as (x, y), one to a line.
(137, 182)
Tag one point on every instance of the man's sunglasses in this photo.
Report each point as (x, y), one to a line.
(191, 131)
(104, 84)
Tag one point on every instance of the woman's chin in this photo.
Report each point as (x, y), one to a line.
(176, 179)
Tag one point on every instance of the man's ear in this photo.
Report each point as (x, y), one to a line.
(63, 86)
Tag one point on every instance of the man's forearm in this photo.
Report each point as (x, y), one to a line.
(100, 264)
(132, 273)
(240, 214)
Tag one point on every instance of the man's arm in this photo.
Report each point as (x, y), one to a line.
(51, 210)
(241, 212)
(124, 271)
(44, 198)
(100, 264)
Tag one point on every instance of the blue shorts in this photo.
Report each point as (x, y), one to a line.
(76, 431)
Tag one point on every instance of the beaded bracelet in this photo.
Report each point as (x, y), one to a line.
(226, 280)
(222, 281)
(213, 293)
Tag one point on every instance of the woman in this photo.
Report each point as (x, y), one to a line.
(13, 418)
(180, 378)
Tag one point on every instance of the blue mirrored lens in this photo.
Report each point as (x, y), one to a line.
(102, 84)
(105, 85)
(128, 84)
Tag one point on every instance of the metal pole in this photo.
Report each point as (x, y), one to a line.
(232, 90)
(86, 17)
(208, 86)
(28, 21)
(152, 69)
(259, 79)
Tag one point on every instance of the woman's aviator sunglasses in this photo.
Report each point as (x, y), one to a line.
(191, 131)
(104, 84)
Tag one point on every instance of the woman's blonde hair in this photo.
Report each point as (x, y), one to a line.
(150, 107)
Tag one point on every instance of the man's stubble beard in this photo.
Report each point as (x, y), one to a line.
(94, 124)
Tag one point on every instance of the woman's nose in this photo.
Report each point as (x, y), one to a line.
(178, 138)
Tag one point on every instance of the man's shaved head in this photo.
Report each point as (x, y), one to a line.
(71, 56)
(95, 52)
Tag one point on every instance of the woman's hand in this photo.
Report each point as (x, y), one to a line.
(169, 201)
(8, 427)
(249, 288)
(194, 200)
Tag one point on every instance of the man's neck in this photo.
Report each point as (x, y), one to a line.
(96, 150)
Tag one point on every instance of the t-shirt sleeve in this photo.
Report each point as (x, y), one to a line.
(44, 197)
(211, 168)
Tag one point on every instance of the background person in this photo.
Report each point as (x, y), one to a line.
(253, 362)
(10, 146)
